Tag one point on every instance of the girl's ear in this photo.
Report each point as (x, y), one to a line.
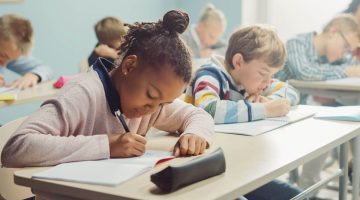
(129, 63)
(237, 60)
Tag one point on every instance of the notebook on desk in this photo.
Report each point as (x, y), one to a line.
(263, 126)
(7, 94)
(109, 172)
(342, 113)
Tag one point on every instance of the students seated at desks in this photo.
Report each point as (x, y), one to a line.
(82, 121)
(109, 32)
(319, 57)
(204, 38)
(16, 40)
(324, 56)
(240, 88)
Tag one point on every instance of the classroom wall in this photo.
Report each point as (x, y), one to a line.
(64, 29)
(291, 17)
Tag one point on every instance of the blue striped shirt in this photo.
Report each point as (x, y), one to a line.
(304, 63)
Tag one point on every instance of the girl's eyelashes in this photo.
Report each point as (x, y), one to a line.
(149, 95)
(262, 74)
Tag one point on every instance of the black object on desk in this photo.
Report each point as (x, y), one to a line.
(174, 177)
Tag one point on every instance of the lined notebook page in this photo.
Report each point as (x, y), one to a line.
(263, 126)
(109, 172)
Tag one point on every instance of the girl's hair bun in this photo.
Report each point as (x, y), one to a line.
(176, 21)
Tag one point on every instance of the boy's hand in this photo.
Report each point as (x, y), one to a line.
(256, 99)
(26, 81)
(277, 107)
(104, 50)
(353, 71)
(126, 145)
(2, 80)
(190, 145)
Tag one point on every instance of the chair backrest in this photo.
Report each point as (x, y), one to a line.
(84, 65)
(8, 189)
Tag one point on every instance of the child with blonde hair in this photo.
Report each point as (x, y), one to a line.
(318, 57)
(240, 88)
(204, 38)
(16, 41)
(324, 56)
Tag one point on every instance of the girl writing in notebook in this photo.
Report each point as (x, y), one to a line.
(88, 119)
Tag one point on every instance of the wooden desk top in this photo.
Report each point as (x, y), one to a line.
(39, 92)
(251, 162)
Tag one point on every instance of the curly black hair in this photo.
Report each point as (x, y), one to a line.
(158, 43)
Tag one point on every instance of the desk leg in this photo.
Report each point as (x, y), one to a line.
(344, 150)
(355, 167)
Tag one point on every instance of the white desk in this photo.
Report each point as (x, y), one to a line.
(39, 92)
(251, 162)
(346, 91)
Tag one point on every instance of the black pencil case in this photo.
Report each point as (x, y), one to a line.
(174, 177)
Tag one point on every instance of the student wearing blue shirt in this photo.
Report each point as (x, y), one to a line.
(16, 40)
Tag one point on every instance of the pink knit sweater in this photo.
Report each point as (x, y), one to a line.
(73, 126)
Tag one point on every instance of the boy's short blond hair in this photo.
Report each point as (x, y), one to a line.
(18, 31)
(109, 29)
(345, 23)
(256, 42)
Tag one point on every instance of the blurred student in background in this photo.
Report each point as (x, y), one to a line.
(16, 41)
(204, 38)
(323, 56)
(109, 32)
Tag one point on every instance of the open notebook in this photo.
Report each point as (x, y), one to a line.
(342, 113)
(262, 126)
(109, 172)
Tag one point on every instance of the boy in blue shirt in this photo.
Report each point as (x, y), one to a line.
(16, 39)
